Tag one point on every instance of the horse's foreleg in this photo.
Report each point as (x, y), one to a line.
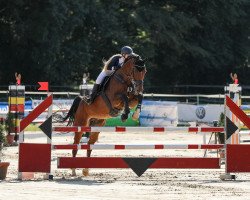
(136, 114)
(124, 115)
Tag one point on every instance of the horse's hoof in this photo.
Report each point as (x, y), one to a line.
(85, 172)
(124, 117)
(73, 172)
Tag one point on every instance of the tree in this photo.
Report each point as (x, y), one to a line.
(186, 42)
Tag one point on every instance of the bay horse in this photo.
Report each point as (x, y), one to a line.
(110, 102)
(134, 101)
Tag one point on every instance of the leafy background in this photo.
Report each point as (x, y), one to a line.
(186, 42)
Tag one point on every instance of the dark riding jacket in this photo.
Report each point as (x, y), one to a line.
(115, 63)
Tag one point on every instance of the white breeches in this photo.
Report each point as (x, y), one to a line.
(102, 75)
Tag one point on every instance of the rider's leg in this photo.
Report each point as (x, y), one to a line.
(97, 84)
(93, 94)
(102, 75)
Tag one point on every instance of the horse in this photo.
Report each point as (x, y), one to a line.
(111, 101)
(134, 101)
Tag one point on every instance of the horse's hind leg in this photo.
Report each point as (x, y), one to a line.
(92, 139)
(80, 120)
(77, 138)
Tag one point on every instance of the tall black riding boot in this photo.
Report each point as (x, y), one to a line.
(93, 94)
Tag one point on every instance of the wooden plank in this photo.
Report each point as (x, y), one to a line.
(119, 162)
(34, 157)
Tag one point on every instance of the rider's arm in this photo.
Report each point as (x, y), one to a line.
(114, 63)
(231, 75)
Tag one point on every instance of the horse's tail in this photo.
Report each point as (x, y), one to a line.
(71, 114)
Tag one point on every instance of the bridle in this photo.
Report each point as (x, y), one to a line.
(136, 83)
(130, 80)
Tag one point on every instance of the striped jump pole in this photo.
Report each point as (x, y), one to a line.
(137, 129)
(16, 103)
(135, 146)
(244, 132)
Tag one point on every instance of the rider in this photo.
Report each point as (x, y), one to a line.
(113, 64)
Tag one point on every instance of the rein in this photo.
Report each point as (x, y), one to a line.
(130, 80)
(131, 83)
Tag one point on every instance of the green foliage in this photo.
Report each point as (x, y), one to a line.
(2, 136)
(221, 121)
(10, 122)
(187, 42)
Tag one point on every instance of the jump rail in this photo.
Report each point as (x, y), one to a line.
(139, 165)
(136, 146)
(148, 129)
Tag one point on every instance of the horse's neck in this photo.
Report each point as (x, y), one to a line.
(121, 75)
(115, 93)
(126, 68)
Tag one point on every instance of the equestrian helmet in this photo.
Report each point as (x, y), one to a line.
(126, 50)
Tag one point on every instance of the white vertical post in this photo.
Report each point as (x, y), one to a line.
(49, 141)
(204, 142)
(21, 140)
(234, 89)
(50, 110)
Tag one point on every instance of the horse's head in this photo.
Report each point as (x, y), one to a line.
(136, 69)
(139, 72)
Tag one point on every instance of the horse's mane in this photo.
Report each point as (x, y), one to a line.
(106, 63)
(140, 64)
